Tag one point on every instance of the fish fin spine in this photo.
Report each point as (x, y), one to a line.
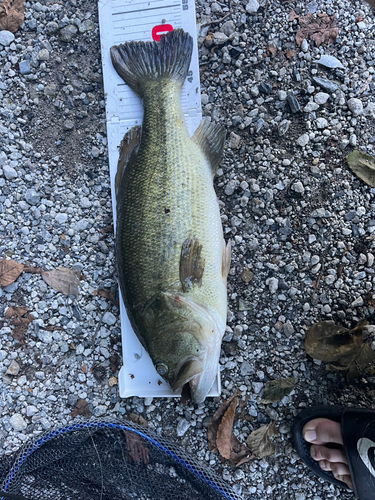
(191, 264)
(210, 137)
(139, 63)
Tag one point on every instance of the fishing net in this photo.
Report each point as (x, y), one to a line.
(107, 460)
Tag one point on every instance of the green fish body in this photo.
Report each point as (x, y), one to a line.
(171, 256)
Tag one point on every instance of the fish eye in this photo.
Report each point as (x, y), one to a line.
(162, 369)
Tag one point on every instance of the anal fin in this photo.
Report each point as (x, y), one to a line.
(128, 148)
(191, 264)
(210, 137)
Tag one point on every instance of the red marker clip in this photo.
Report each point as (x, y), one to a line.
(160, 29)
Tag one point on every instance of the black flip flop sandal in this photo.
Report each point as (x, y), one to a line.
(358, 432)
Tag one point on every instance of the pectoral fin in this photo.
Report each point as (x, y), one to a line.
(225, 266)
(191, 264)
(189, 370)
(210, 137)
(127, 150)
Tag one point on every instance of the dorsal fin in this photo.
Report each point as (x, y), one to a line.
(210, 137)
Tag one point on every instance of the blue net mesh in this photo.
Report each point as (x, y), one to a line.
(108, 460)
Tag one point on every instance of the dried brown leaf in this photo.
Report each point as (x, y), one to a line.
(114, 362)
(52, 328)
(15, 311)
(239, 453)
(138, 419)
(320, 28)
(12, 15)
(136, 448)
(259, 441)
(272, 49)
(32, 269)
(62, 280)
(81, 408)
(370, 301)
(9, 271)
(362, 165)
(215, 422)
(275, 390)
(224, 431)
(107, 294)
(289, 54)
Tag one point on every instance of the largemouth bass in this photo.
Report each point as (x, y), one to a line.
(171, 256)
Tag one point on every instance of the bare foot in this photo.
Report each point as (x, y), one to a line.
(319, 432)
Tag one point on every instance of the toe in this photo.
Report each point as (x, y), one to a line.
(321, 431)
(345, 479)
(339, 469)
(330, 454)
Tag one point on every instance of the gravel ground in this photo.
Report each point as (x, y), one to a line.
(302, 225)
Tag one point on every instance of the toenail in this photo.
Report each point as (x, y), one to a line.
(322, 464)
(310, 436)
(313, 451)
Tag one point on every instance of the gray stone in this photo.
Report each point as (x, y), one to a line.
(230, 188)
(304, 45)
(100, 410)
(51, 28)
(68, 125)
(310, 107)
(321, 98)
(293, 102)
(3, 158)
(109, 318)
(3, 354)
(298, 187)
(95, 152)
(219, 38)
(320, 212)
(257, 386)
(32, 197)
(368, 111)
(43, 55)
(17, 422)
(31, 410)
(303, 140)
(355, 105)
(325, 84)
(40, 375)
(252, 6)
(321, 123)
(61, 218)
(283, 127)
(68, 33)
(6, 38)
(24, 67)
(9, 172)
(182, 427)
(246, 369)
(45, 336)
(235, 141)
(81, 225)
(13, 368)
(330, 62)
(228, 28)
(273, 285)
(85, 202)
(311, 8)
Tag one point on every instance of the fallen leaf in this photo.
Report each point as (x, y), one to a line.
(320, 28)
(62, 280)
(138, 419)
(289, 54)
(15, 311)
(107, 294)
(52, 328)
(329, 342)
(9, 271)
(136, 448)
(344, 349)
(114, 362)
(12, 14)
(272, 49)
(107, 229)
(370, 301)
(215, 422)
(99, 373)
(19, 320)
(224, 431)
(81, 408)
(363, 166)
(275, 390)
(259, 441)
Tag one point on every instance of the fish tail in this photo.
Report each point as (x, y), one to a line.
(139, 63)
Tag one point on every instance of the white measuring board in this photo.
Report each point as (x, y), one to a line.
(122, 21)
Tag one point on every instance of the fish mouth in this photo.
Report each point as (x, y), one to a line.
(188, 370)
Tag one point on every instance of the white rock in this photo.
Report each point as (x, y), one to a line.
(321, 98)
(321, 123)
(9, 172)
(368, 111)
(61, 218)
(109, 318)
(355, 105)
(13, 368)
(273, 285)
(303, 140)
(31, 410)
(310, 107)
(6, 38)
(182, 427)
(252, 6)
(17, 422)
(298, 187)
(219, 38)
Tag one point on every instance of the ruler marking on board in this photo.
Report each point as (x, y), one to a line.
(145, 10)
